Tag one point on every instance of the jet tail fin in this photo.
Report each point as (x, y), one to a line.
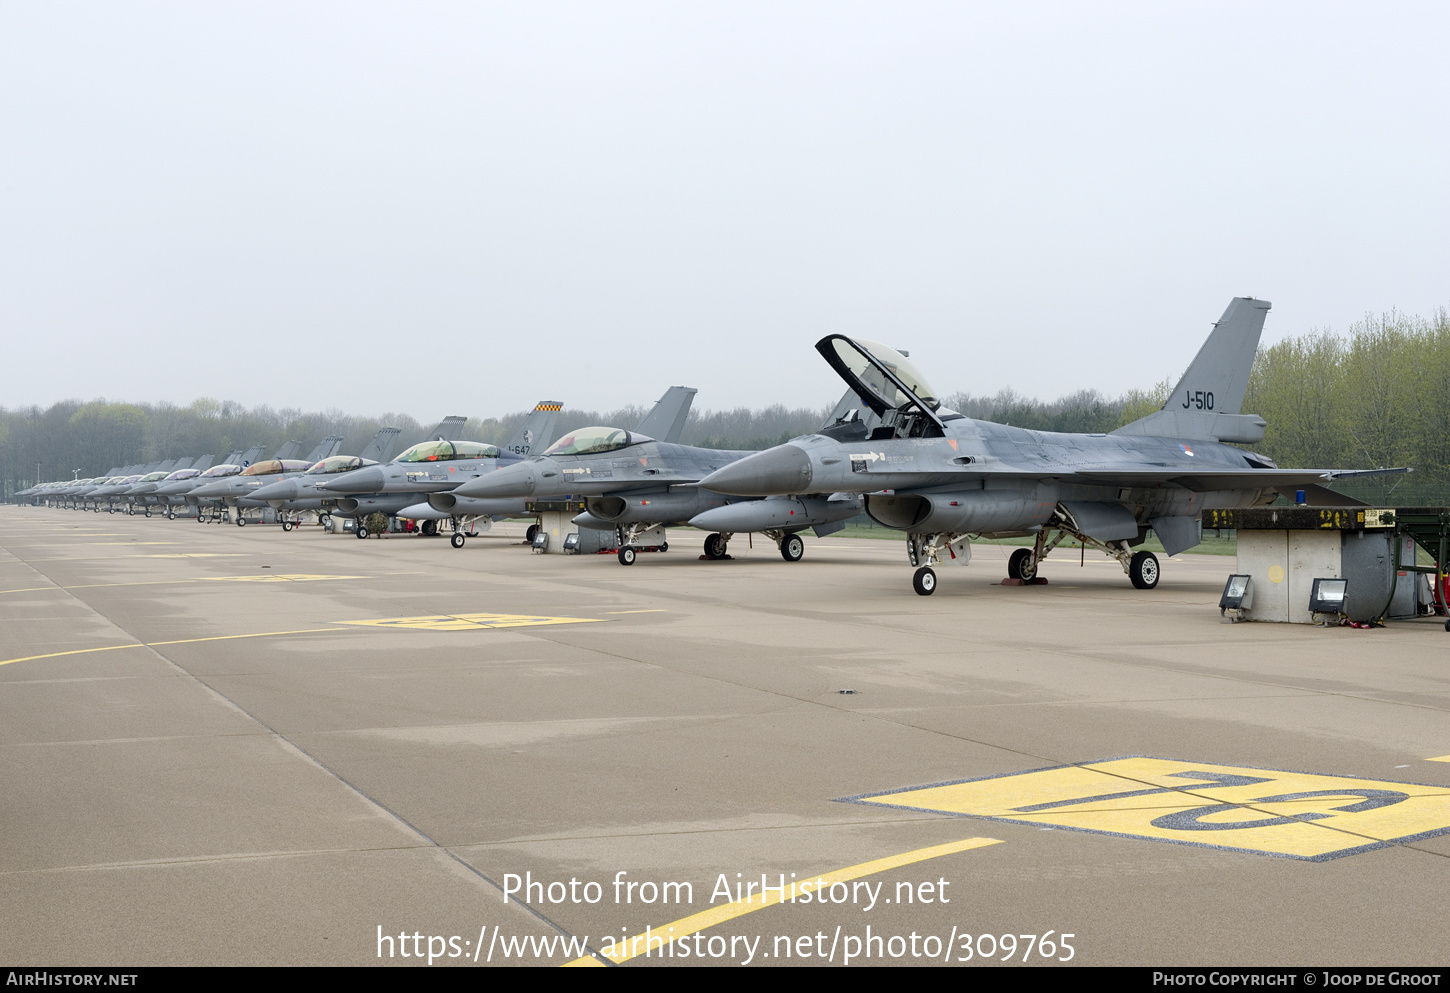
(448, 429)
(326, 448)
(666, 422)
(289, 450)
(202, 463)
(380, 449)
(234, 457)
(1205, 404)
(538, 428)
(251, 455)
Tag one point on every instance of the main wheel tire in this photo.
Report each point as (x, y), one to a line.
(430, 529)
(1143, 570)
(1022, 565)
(626, 555)
(792, 548)
(148, 511)
(664, 546)
(324, 519)
(924, 582)
(361, 531)
(457, 540)
(530, 533)
(715, 547)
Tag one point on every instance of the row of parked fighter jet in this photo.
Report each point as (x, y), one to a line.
(890, 447)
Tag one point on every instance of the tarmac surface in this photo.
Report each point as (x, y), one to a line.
(225, 745)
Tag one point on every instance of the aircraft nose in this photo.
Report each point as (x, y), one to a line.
(517, 480)
(368, 479)
(283, 489)
(219, 488)
(779, 470)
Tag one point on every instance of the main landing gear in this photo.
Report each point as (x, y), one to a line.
(792, 546)
(926, 550)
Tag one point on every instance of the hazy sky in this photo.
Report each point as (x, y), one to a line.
(467, 207)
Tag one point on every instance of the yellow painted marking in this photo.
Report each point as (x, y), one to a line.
(283, 577)
(153, 644)
(627, 948)
(191, 555)
(656, 610)
(470, 622)
(1442, 758)
(1294, 814)
(1276, 574)
(135, 543)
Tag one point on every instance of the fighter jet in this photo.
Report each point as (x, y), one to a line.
(429, 467)
(633, 484)
(944, 478)
(666, 419)
(300, 494)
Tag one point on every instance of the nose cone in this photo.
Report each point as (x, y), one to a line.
(368, 479)
(222, 487)
(779, 470)
(283, 489)
(517, 480)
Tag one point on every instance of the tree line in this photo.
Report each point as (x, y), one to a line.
(1376, 395)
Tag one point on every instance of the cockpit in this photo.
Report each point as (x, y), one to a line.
(184, 474)
(218, 471)
(151, 477)
(448, 451)
(339, 463)
(886, 381)
(272, 467)
(594, 441)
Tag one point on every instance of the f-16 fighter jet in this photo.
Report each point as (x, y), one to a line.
(944, 478)
(429, 467)
(632, 483)
(301, 493)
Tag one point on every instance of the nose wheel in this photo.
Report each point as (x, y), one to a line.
(626, 555)
(457, 540)
(924, 582)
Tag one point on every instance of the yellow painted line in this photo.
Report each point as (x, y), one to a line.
(135, 543)
(190, 555)
(628, 948)
(282, 577)
(1442, 758)
(657, 610)
(154, 644)
(470, 622)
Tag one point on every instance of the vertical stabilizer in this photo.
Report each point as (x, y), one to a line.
(449, 429)
(666, 422)
(202, 463)
(1205, 404)
(251, 455)
(537, 430)
(381, 448)
(289, 450)
(326, 448)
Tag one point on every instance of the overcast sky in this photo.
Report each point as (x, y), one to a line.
(464, 208)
